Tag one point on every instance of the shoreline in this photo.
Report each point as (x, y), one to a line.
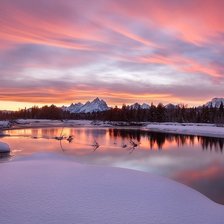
(188, 129)
(195, 129)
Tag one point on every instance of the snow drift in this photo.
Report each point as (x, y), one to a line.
(44, 190)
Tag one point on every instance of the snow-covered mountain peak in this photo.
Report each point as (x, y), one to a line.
(96, 100)
(170, 106)
(137, 106)
(215, 102)
(145, 106)
(96, 105)
(73, 108)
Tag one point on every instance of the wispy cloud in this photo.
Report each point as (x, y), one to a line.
(60, 51)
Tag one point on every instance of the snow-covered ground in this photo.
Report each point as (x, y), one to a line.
(209, 130)
(4, 124)
(29, 123)
(50, 189)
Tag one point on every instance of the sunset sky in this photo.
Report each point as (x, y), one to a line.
(63, 51)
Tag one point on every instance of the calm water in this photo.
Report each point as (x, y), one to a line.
(195, 161)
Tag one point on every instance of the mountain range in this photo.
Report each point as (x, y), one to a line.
(98, 105)
(136, 106)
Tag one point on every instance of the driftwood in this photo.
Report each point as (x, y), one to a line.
(95, 145)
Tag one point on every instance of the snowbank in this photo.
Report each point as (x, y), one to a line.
(209, 130)
(5, 124)
(44, 190)
(32, 123)
(4, 148)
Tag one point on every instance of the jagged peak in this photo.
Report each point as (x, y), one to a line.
(90, 106)
(215, 102)
(96, 99)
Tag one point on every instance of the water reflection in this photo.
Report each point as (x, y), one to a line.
(152, 140)
(195, 161)
(160, 140)
(207, 180)
(212, 143)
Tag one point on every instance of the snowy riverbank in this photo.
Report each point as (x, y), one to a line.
(210, 130)
(51, 189)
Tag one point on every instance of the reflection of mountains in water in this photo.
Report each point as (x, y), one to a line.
(159, 139)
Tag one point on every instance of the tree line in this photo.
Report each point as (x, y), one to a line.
(159, 113)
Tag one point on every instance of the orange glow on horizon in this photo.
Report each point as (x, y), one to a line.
(16, 105)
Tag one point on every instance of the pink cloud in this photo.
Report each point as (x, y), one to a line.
(116, 41)
(196, 21)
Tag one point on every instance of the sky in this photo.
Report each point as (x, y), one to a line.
(64, 51)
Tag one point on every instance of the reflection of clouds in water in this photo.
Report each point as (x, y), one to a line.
(209, 180)
(166, 163)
